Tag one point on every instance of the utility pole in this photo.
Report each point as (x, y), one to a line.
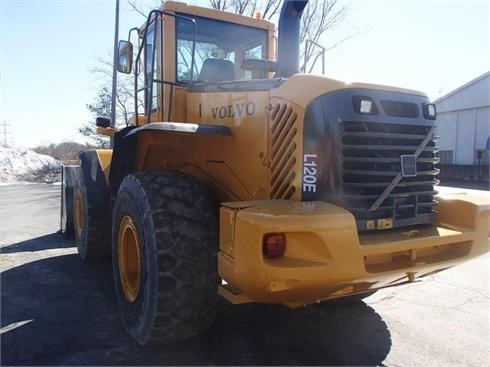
(5, 132)
(114, 70)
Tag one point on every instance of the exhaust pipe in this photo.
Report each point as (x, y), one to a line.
(289, 32)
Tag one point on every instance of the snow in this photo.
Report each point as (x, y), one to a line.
(21, 165)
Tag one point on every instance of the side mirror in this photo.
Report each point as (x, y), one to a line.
(125, 57)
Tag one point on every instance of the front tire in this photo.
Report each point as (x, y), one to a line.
(165, 236)
(90, 220)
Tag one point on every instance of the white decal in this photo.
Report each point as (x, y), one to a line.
(309, 172)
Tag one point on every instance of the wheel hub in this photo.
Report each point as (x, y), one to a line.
(78, 213)
(129, 259)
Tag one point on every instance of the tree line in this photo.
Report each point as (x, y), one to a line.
(66, 152)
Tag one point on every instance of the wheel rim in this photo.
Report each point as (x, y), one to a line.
(78, 213)
(129, 259)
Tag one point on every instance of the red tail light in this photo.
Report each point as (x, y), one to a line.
(274, 245)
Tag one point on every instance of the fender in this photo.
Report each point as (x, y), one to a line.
(94, 166)
(126, 141)
(183, 127)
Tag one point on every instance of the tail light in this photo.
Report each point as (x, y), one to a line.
(274, 245)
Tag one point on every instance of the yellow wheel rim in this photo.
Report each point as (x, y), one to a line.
(78, 213)
(129, 259)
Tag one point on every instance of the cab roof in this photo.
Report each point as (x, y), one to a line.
(180, 7)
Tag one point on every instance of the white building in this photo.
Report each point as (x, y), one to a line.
(463, 123)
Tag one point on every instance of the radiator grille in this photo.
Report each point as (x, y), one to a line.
(283, 146)
(371, 182)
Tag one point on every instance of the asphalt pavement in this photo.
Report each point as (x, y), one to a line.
(58, 310)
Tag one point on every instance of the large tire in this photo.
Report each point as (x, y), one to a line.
(91, 218)
(66, 205)
(165, 236)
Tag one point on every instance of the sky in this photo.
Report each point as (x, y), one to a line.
(49, 47)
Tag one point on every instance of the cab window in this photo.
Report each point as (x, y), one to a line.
(226, 42)
(151, 99)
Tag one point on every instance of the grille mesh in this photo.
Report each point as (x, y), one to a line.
(371, 162)
(283, 146)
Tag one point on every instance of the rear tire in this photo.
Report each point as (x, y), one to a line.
(165, 237)
(91, 221)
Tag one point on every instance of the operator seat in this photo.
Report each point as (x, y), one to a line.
(217, 70)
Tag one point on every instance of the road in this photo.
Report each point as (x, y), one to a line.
(58, 310)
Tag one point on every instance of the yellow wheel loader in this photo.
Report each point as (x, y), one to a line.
(241, 177)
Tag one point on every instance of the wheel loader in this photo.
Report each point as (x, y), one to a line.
(241, 177)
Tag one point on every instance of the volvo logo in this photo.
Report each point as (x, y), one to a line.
(409, 165)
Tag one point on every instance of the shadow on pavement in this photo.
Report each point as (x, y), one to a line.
(62, 311)
(50, 241)
(325, 334)
(63, 306)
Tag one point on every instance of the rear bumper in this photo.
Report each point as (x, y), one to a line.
(327, 258)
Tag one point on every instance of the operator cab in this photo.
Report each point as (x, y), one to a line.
(183, 48)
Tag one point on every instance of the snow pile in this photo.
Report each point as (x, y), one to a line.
(19, 165)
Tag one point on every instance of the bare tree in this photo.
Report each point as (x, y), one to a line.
(67, 151)
(143, 10)
(318, 18)
(271, 8)
(101, 106)
(124, 91)
(267, 9)
(218, 4)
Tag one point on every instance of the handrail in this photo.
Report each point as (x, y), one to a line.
(152, 19)
(317, 54)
